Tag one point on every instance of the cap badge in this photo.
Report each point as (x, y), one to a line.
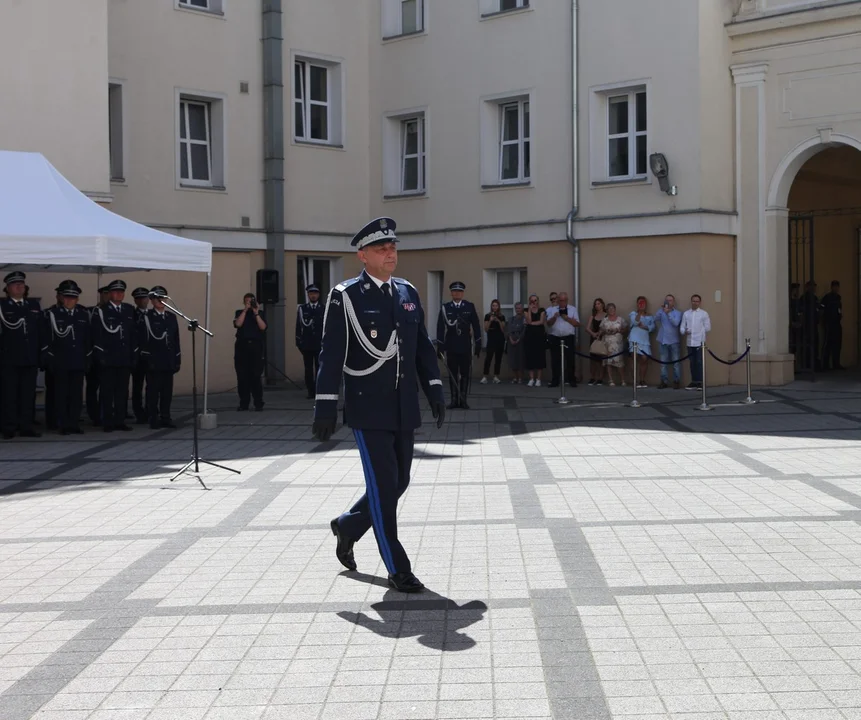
(383, 224)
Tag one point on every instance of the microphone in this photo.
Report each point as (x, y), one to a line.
(158, 296)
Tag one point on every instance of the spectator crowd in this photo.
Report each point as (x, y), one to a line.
(668, 335)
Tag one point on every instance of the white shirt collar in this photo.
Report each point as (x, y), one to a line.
(113, 304)
(377, 281)
(456, 303)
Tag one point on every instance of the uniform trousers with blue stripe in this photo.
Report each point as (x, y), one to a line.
(386, 460)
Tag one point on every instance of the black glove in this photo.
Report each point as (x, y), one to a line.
(323, 428)
(438, 410)
(440, 353)
(477, 350)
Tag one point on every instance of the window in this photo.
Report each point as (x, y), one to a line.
(494, 7)
(316, 101)
(200, 127)
(627, 141)
(195, 151)
(404, 158)
(402, 17)
(312, 270)
(115, 131)
(506, 146)
(511, 288)
(215, 7)
(413, 155)
(514, 142)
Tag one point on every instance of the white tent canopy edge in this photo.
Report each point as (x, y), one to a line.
(48, 225)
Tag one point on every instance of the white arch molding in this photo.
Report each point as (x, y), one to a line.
(784, 175)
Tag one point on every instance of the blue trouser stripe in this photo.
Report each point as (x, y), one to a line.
(374, 501)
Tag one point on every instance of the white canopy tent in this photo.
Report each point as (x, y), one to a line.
(46, 224)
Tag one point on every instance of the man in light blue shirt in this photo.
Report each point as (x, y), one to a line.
(667, 320)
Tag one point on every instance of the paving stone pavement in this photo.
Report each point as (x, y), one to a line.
(584, 562)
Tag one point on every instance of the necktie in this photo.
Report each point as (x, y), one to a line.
(387, 289)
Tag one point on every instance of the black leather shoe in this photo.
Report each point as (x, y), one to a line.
(76, 430)
(124, 428)
(406, 582)
(344, 549)
(30, 433)
(452, 406)
(241, 409)
(8, 435)
(168, 424)
(464, 405)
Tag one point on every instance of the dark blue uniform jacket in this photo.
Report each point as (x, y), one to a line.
(66, 339)
(159, 341)
(114, 335)
(20, 344)
(386, 399)
(451, 319)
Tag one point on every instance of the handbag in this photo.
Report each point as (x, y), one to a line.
(598, 347)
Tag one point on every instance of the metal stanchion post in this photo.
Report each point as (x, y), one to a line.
(562, 399)
(749, 399)
(705, 405)
(634, 403)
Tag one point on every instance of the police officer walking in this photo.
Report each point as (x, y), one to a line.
(20, 328)
(309, 335)
(66, 352)
(456, 319)
(248, 352)
(115, 347)
(374, 336)
(832, 318)
(159, 344)
(140, 410)
(94, 408)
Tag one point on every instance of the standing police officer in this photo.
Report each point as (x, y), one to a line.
(456, 319)
(374, 335)
(94, 408)
(50, 404)
(66, 352)
(159, 343)
(248, 352)
(20, 321)
(140, 410)
(115, 346)
(309, 334)
(832, 318)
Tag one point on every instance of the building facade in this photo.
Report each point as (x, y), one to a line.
(513, 142)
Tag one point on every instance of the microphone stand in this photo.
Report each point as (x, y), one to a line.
(193, 326)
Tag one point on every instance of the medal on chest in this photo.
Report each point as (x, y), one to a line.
(373, 334)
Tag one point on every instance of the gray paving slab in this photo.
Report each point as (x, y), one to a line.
(589, 561)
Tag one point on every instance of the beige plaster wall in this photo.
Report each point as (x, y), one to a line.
(54, 85)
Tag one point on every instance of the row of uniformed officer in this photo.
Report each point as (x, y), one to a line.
(309, 334)
(457, 319)
(374, 337)
(160, 348)
(20, 329)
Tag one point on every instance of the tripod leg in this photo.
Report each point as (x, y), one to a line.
(187, 467)
(183, 469)
(223, 467)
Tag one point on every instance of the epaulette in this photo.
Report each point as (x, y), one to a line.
(347, 283)
(404, 282)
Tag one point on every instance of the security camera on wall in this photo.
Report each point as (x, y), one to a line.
(661, 170)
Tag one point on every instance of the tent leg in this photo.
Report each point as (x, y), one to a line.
(206, 348)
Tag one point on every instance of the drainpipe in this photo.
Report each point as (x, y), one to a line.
(273, 179)
(575, 156)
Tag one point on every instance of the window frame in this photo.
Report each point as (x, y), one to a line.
(185, 102)
(632, 134)
(523, 139)
(307, 102)
(599, 137)
(420, 17)
(117, 138)
(213, 8)
(419, 155)
(493, 8)
(217, 131)
(519, 289)
(392, 19)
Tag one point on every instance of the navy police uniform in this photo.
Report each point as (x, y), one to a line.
(50, 404)
(832, 318)
(115, 347)
(66, 352)
(455, 321)
(248, 359)
(375, 338)
(159, 344)
(94, 410)
(20, 329)
(139, 371)
(309, 336)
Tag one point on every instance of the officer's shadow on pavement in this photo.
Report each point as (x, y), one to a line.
(435, 620)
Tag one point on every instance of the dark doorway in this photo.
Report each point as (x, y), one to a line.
(803, 298)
